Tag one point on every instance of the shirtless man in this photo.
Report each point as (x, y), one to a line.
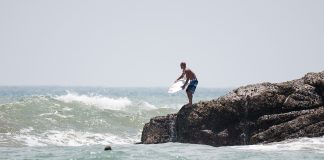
(193, 81)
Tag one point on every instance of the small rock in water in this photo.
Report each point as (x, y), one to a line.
(107, 148)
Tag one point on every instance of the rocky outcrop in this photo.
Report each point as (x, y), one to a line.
(160, 129)
(251, 114)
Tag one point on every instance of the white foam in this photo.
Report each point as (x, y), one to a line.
(29, 140)
(26, 130)
(292, 144)
(56, 113)
(97, 101)
(70, 138)
(67, 109)
(147, 106)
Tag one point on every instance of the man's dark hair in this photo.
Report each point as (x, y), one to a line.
(183, 63)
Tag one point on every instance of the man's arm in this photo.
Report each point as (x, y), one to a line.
(181, 76)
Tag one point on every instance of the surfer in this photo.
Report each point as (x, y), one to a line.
(189, 75)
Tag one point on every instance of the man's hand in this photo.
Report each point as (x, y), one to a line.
(183, 87)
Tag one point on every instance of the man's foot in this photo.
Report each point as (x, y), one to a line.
(188, 104)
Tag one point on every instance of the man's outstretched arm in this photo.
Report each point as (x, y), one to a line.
(181, 76)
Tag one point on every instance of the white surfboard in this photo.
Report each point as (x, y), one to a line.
(175, 87)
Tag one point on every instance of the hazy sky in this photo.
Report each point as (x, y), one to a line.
(142, 42)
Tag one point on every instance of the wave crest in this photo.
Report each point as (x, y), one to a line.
(97, 101)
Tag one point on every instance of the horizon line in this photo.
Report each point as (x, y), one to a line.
(103, 86)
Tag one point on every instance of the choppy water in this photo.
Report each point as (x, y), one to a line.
(77, 122)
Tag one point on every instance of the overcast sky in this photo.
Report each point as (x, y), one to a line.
(132, 43)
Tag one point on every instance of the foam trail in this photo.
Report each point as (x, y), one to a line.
(69, 138)
(316, 143)
(98, 101)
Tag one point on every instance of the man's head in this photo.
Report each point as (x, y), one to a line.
(183, 65)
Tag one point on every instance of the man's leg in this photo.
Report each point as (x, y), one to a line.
(189, 94)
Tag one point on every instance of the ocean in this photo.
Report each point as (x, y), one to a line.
(53, 122)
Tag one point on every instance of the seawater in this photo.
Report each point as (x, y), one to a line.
(77, 123)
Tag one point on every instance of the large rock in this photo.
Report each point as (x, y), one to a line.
(251, 114)
(159, 130)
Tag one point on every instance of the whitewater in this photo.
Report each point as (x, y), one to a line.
(78, 122)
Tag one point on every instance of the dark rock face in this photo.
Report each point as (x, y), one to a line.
(251, 114)
(159, 130)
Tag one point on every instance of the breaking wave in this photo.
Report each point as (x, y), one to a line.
(74, 119)
(98, 101)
